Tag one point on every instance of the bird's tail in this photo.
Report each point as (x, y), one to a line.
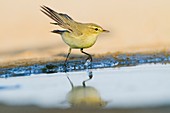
(58, 31)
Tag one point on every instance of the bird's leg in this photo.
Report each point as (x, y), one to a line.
(65, 63)
(89, 56)
(90, 74)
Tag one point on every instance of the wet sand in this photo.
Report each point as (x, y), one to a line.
(32, 57)
(29, 109)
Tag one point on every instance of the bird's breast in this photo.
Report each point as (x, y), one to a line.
(77, 42)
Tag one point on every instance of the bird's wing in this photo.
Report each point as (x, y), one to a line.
(63, 20)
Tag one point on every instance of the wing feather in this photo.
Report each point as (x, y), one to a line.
(63, 20)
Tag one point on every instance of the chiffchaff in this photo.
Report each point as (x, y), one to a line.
(77, 35)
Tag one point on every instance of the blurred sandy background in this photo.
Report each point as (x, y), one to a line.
(134, 25)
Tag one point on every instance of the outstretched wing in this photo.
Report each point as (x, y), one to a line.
(63, 20)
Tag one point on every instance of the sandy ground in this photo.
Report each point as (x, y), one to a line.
(21, 109)
(135, 26)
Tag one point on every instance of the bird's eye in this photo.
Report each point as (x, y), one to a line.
(96, 29)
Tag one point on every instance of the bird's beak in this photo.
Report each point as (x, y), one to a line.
(105, 31)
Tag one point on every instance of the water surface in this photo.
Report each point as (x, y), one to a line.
(126, 87)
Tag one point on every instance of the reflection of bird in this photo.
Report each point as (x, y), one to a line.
(77, 35)
(89, 97)
(85, 96)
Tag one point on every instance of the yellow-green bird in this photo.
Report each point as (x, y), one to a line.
(77, 35)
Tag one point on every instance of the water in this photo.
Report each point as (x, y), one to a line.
(77, 65)
(122, 87)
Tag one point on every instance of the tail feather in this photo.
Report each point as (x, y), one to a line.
(59, 31)
(54, 23)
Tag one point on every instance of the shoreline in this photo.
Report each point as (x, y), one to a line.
(60, 58)
(75, 63)
(34, 109)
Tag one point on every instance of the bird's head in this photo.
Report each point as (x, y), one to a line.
(95, 29)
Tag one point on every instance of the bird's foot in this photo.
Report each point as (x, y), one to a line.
(88, 63)
(65, 67)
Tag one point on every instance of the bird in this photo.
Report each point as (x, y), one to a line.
(76, 35)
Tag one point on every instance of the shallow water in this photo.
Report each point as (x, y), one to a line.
(109, 61)
(126, 87)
